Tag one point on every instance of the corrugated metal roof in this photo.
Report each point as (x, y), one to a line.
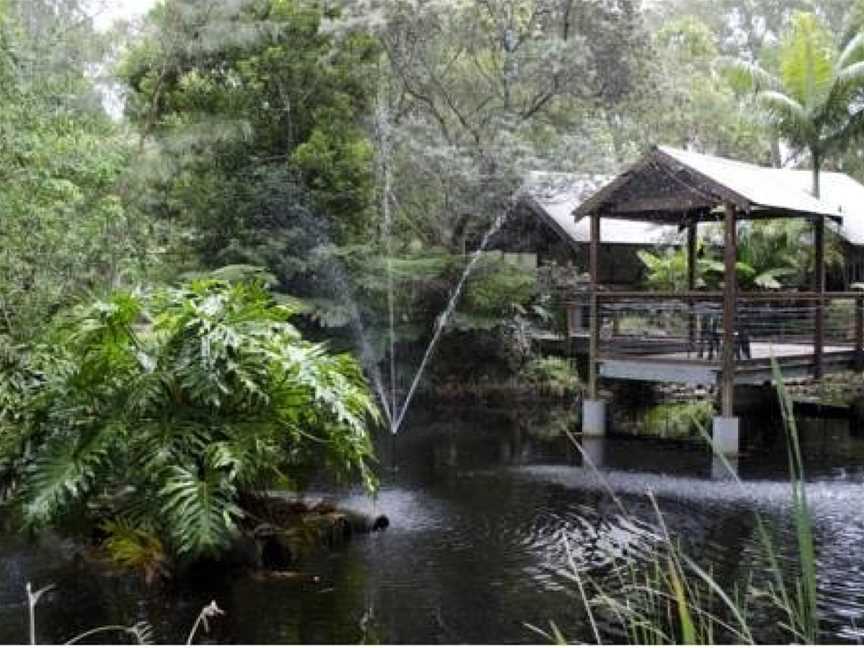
(556, 195)
(840, 192)
(765, 187)
(840, 196)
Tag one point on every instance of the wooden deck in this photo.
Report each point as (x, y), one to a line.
(796, 360)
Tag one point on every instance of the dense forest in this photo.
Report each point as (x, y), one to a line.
(219, 167)
(284, 137)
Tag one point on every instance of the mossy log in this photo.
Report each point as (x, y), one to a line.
(284, 529)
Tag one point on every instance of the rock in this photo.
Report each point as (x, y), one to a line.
(245, 551)
(366, 523)
(270, 574)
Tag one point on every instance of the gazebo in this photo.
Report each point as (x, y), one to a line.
(725, 337)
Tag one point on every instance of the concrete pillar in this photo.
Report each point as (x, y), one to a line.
(594, 450)
(720, 471)
(724, 438)
(593, 417)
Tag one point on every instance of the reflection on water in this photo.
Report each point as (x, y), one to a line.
(479, 506)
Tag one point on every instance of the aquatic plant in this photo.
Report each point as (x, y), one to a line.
(669, 598)
(140, 633)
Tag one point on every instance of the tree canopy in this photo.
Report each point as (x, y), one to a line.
(812, 100)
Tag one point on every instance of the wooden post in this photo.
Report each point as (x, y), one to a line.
(691, 283)
(859, 334)
(594, 340)
(819, 287)
(730, 286)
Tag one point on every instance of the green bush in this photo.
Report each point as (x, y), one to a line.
(678, 420)
(553, 375)
(161, 410)
(496, 285)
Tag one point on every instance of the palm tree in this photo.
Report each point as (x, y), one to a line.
(814, 101)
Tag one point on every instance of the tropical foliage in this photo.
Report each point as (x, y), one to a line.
(770, 255)
(68, 227)
(159, 410)
(356, 153)
(811, 100)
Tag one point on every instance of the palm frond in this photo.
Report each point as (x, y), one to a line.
(807, 61)
(852, 76)
(852, 53)
(746, 76)
(789, 115)
(850, 131)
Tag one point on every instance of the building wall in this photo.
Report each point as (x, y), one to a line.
(852, 271)
(526, 233)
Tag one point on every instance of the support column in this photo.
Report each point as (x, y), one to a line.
(594, 273)
(593, 417)
(724, 470)
(730, 290)
(819, 288)
(594, 452)
(725, 428)
(691, 283)
(859, 334)
(593, 409)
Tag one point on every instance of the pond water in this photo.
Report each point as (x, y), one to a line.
(479, 504)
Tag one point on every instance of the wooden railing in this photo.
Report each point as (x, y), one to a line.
(689, 325)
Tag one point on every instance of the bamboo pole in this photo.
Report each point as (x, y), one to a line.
(859, 334)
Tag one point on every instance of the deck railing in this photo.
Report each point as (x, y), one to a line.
(690, 325)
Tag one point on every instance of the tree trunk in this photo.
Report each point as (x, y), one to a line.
(816, 164)
(776, 156)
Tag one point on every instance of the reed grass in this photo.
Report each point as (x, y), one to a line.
(139, 633)
(668, 598)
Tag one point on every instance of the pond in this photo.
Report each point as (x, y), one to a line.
(479, 503)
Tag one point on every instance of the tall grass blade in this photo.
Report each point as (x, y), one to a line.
(808, 609)
(685, 621)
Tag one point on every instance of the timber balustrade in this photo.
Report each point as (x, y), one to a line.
(688, 326)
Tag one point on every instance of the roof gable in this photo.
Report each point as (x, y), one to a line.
(670, 186)
(554, 196)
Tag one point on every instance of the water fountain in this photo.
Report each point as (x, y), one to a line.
(394, 412)
(443, 318)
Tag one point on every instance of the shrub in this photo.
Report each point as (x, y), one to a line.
(159, 410)
(553, 375)
(678, 420)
